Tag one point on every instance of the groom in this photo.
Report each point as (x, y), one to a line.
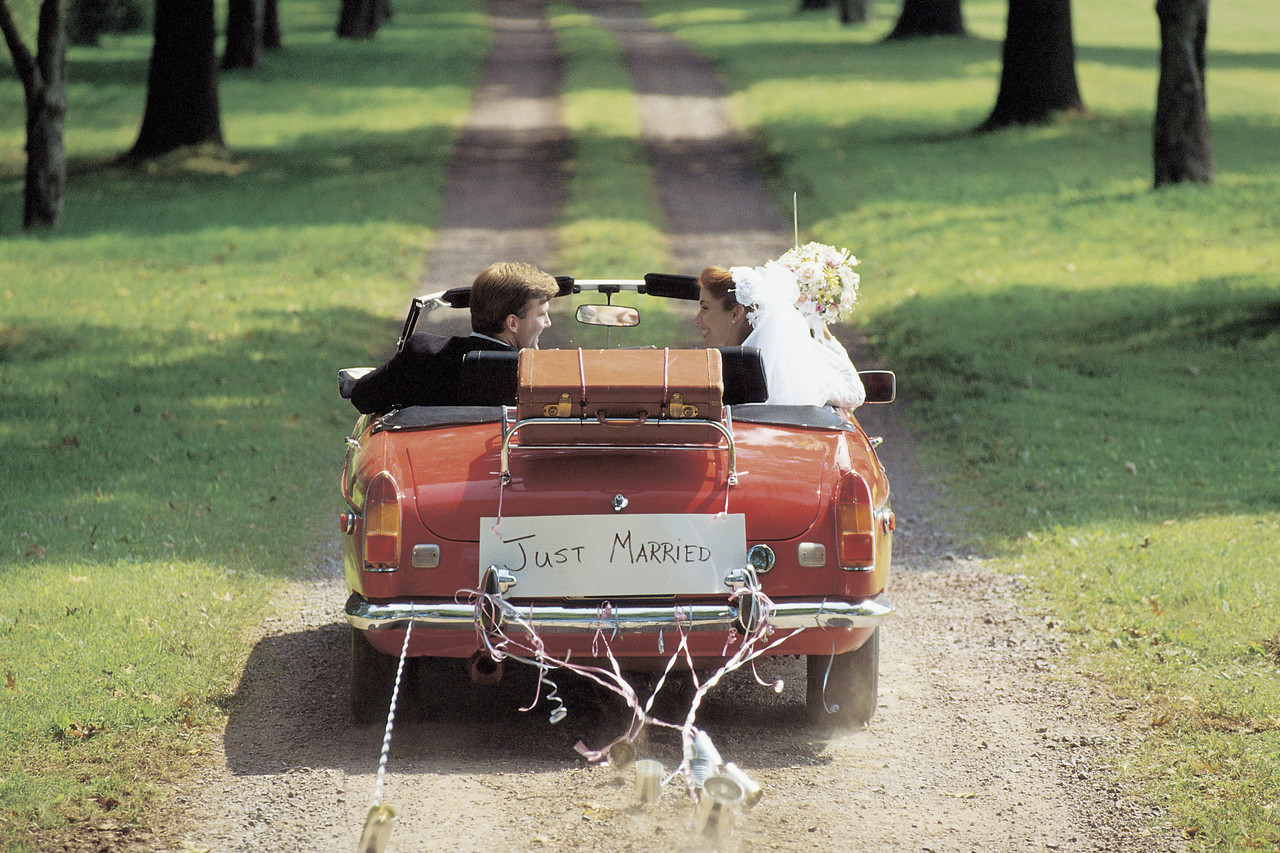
(509, 310)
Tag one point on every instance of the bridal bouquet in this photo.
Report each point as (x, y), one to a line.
(828, 284)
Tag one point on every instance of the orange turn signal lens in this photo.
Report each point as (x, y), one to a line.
(855, 528)
(382, 522)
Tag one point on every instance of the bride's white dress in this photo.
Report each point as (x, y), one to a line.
(801, 370)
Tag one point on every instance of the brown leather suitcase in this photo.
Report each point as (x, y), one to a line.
(621, 388)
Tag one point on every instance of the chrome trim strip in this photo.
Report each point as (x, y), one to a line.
(555, 619)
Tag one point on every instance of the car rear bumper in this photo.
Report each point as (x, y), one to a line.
(367, 615)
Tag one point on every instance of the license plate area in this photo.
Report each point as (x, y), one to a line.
(591, 556)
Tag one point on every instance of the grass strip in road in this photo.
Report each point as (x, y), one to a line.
(1092, 364)
(169, 424)
(611, 224)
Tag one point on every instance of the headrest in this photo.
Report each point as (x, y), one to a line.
(744, 377)
(488, 378)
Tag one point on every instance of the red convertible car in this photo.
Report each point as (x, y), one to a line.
(619, 497)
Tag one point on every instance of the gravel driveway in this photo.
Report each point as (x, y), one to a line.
(982, 742)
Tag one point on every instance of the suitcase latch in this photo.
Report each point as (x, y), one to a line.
(677, 409)
(562, 409)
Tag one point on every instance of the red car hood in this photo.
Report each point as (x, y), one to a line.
(455, 480)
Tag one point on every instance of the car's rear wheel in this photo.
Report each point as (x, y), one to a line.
(373, 675)
(852, 685)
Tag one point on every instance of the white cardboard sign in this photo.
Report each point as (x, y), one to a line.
(578, 556)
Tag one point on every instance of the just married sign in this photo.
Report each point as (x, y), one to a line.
(578, 556)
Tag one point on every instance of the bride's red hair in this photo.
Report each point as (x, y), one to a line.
(719, 283)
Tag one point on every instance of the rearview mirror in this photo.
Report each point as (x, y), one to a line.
(881, 385)
(614, 316)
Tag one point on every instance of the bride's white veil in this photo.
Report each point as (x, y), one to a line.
(800, 369)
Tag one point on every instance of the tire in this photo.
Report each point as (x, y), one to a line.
(853, 685)
(373, 675)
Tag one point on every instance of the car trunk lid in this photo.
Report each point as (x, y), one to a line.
(782, 477)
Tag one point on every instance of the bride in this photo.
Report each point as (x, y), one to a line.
(756, 307)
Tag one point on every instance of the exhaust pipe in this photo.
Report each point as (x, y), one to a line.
(484, 669)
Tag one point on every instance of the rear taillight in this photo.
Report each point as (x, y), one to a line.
(382, 523)
(855, 524)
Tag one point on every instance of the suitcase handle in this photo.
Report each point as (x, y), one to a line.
(621, 423)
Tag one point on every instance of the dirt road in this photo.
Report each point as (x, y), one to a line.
(980, 743)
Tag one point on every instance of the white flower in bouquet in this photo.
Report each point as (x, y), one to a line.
(828, 284)
(809, 273)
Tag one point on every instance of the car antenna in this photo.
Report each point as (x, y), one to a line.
(795, 218)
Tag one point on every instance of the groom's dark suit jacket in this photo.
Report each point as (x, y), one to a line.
(425, 372)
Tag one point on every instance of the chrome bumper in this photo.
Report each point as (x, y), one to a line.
(553, 619)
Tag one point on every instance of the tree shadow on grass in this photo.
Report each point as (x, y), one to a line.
(164, 443)
(1091, 406)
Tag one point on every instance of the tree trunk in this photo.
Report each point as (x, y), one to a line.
(849, 11)
(855, 12)
(360, 19)
(923, 18)
(1182, 147)
(87, 20)
(46, 177)
(271, 38)
(1039, 75)
(182, 82)
(244, 34)
(44, 80)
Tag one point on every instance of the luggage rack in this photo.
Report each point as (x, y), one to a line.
(609, 435)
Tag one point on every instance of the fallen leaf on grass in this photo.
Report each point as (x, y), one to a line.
(83, 731)
(1271, 645)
